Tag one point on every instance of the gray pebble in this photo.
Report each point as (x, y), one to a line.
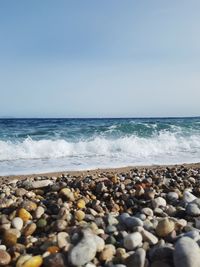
(186, 253)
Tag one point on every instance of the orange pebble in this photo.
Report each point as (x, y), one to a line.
(53, 249)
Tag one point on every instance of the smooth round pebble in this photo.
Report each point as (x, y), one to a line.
(62, 239)
(188, 197)
(132, 222)
(35, 261)
(165, 227)
(29, 229)
(186, 253)
(39, 212)
(84, 251)
(17, 223)
(79, 215)
(159, 202)
(132, 241)
(55, 260)
(41, 223)
(4, 258)
(192, 209)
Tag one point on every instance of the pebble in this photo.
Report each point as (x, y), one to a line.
(159, 202)
(10, 238)
(165, 227)
(110, 229)
(122, 218)
(186, 253)
(112, 220)
(180, 224)
(79, 215)
(22, 259)
(147, 211)
(55, 260)
(5, 203)
(39, 212)
(29, 229)
(60, 225)
(172, 196)
(4, 258)
(53, 249)
(197, 223)
(40, 184)
(161, 252)
(192, 209)
(194, 234)
(20, 192)
(149, 237)
(132, 241)
(29, 205)
(17, 223)
(197, 202)
(90, 265)
(62, 239)
(35, 261)
(81, 204)
(108, 253)
(132, 222)
(66, 193)
(100, 243)
(84, 251)
(137, 259)
(41, 223)
(24, 215)
(188, 197)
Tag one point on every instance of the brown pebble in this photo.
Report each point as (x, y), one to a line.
(165, 227)
(29, 229)
(9, 238)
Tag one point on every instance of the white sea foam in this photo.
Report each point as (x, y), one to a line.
(164, 143)
(164, 148)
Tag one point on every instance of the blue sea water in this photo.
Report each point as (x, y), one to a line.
(42, 145)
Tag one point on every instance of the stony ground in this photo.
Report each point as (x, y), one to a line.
(140, 218)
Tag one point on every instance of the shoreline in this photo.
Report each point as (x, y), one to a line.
(97, 171)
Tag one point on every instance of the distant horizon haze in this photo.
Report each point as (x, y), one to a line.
(99, 118)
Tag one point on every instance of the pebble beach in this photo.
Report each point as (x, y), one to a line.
(141, 217)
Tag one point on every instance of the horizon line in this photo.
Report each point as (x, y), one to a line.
(99, 118)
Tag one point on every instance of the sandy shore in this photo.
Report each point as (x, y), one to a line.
(95, 172)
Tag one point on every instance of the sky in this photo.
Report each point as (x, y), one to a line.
(107, 58)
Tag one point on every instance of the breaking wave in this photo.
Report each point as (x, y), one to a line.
(166, 145)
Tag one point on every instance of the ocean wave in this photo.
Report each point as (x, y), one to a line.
(165, 145)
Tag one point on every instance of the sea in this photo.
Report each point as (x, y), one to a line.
(46, 145)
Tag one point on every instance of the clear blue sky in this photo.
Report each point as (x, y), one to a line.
(96, 58)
